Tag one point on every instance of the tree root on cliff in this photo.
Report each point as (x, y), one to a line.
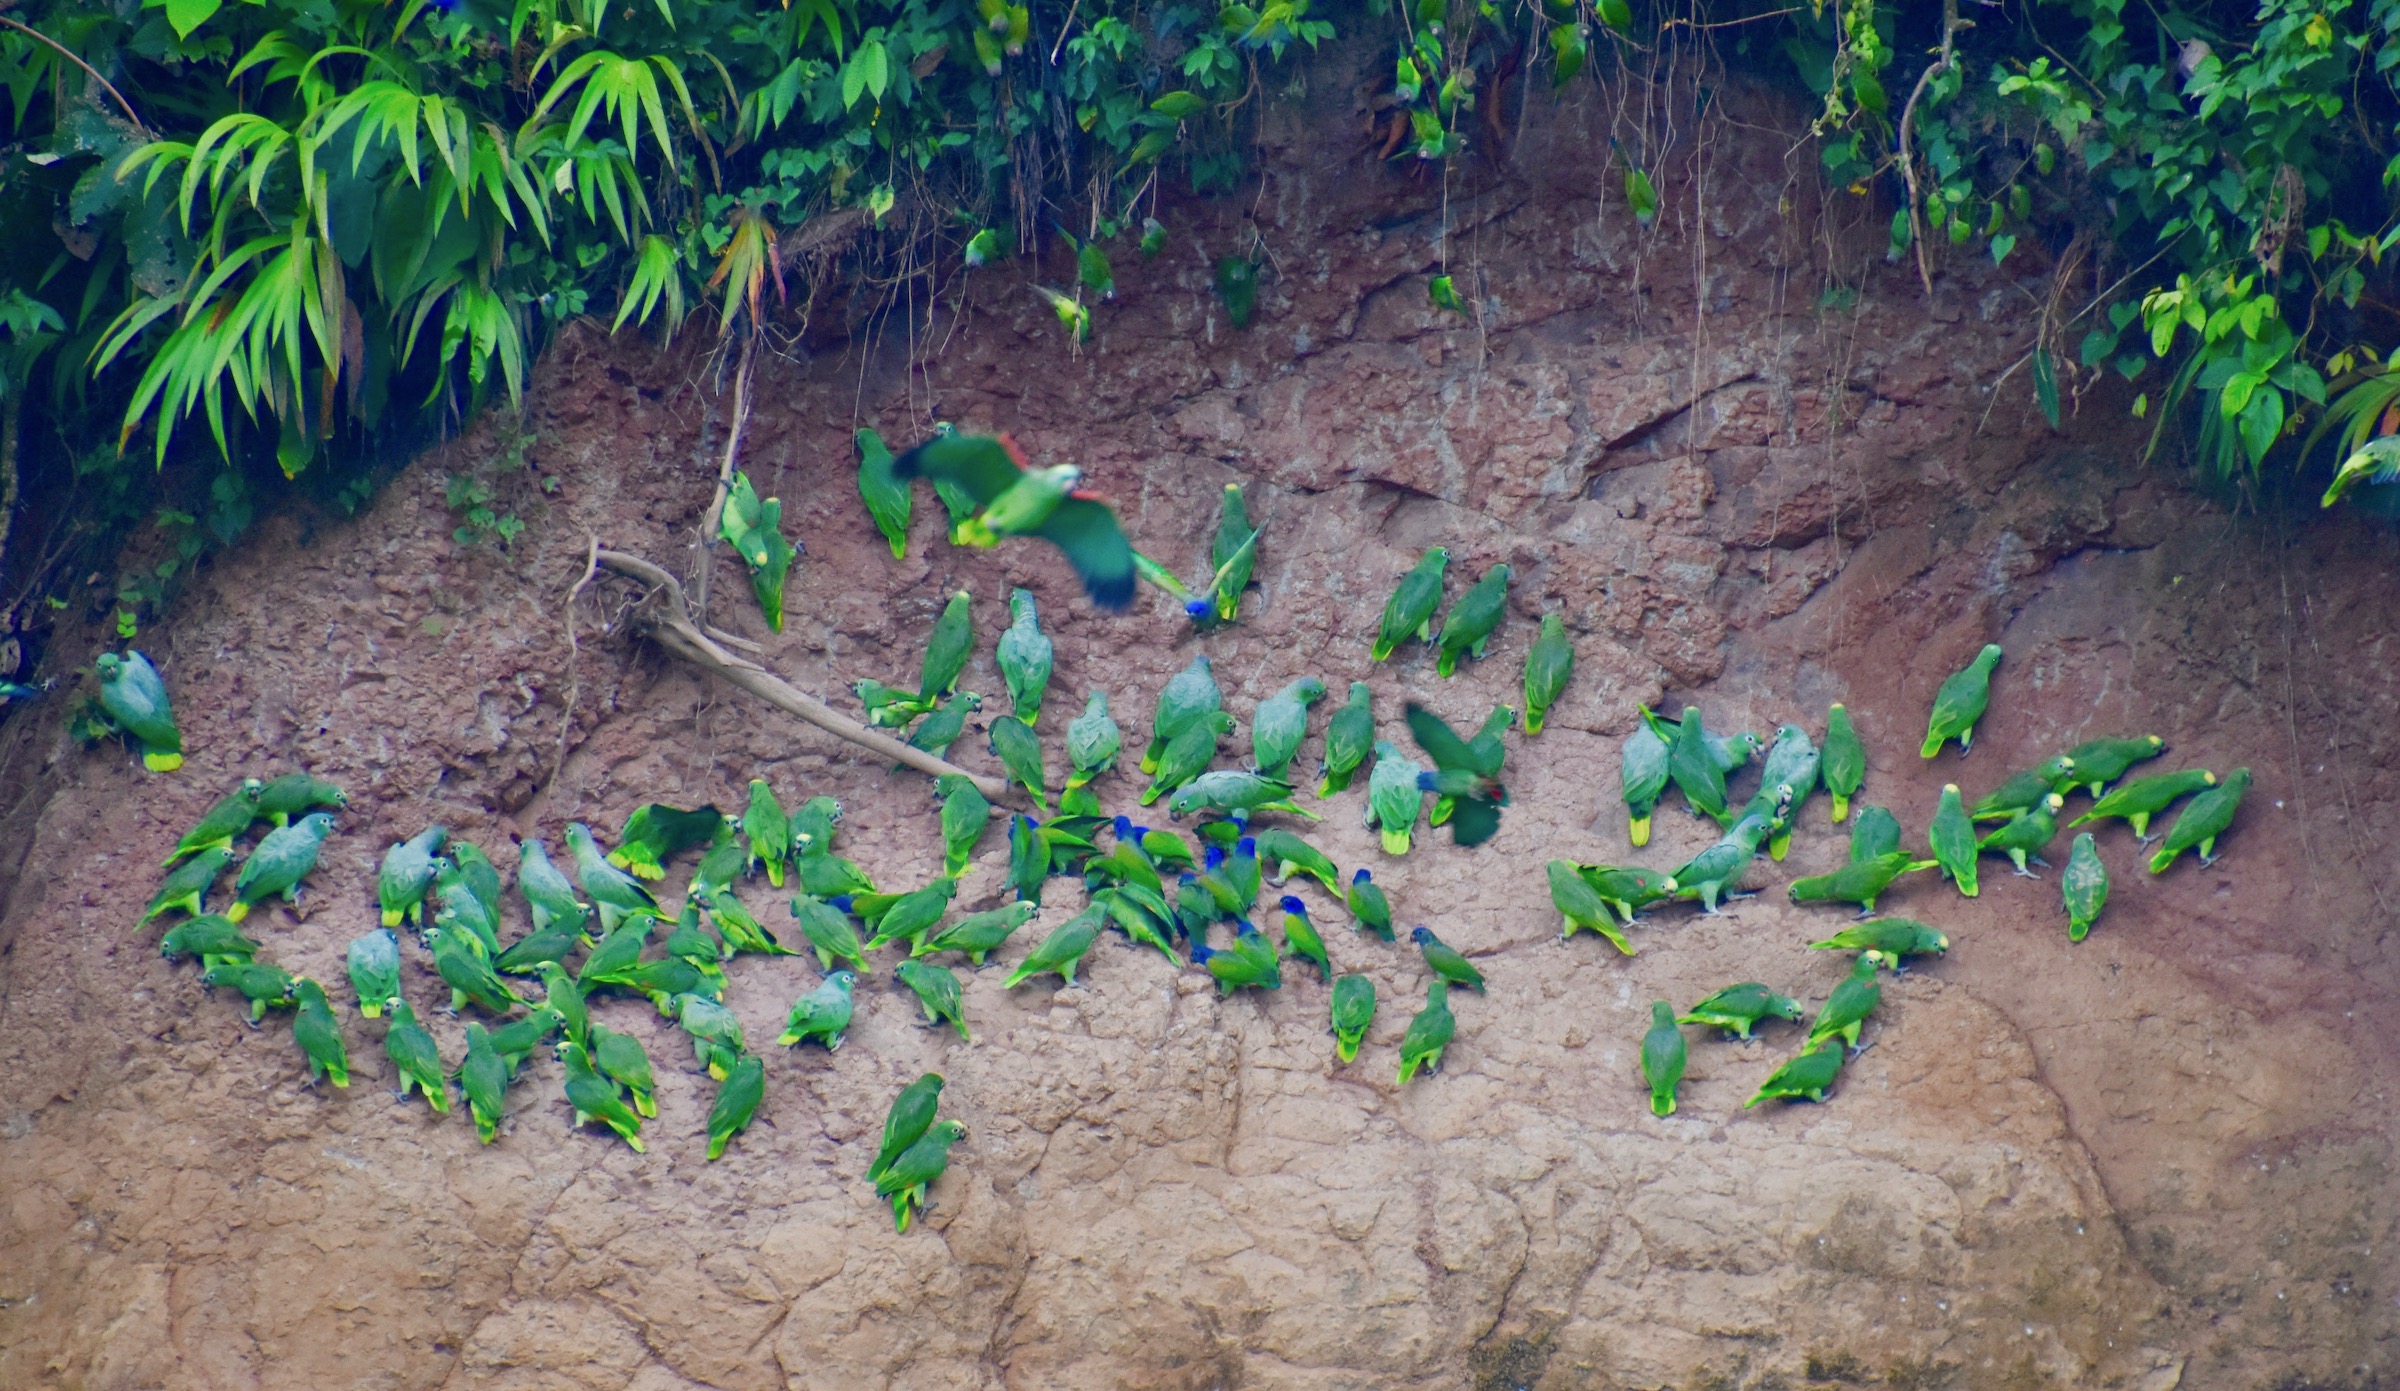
(666, 620)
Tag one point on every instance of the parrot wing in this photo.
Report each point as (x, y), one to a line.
(1086, 530)
(980, 465)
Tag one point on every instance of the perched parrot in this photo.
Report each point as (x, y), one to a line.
(1716, 873)
(135, 701)
(1019, 751)
(375, 970)
(1428, 1033)
(469, 976)
(1694, 767)
(715, 1031)
(1024, 657)
(1730, 752)
(914, 915)
(1353, 1010)
(1349, 737)
(977, 935)
(2143, 798)
(937, 993)
(1028, 859)
(1875, 831)
(2027, 835)
(1792, 762)
(2026, 789)
(1237, 287)
(595, 1098)
(1628, 888)
(297, 794)
(1300, 936)
(1808, 1076)
(946, 651)
(2099, 762)
(211, 939)
(769, 831)
(1960, 703)
(1846, 1010)
(1237, 794)
(562, 996)
(620, 1058)
(217, 827)
(829, 932)
(655, 833)
(2084, 887)
(937, 734)
(516, 1040)
(1663, 1054)
(1187, 699)
(1581, 906)
(482, 1079)
(1250, 963)
(264, 985)
(736, 1104)
(280, 862)
(1467, 629)
(414, 1056)
(1369, 910)
(618, 895)
(1549, 663)
(549, 894)
(319, 1034)
(407, 875)
(822, 1014)
(1843, 762)
(1187, 755)
(966, 815)
(1394, 800)
(188, 885)
(464, 910)
(734, 922)
(1062, 951)
(1892, 939)
(1234, 555)
(2198, 825)
(1446, 961)
(914, 1170)
(1642, 778)
(910, 1116)
(1861, 883)
(1738, 1009)
(1280, 724)
(1409, 612)
(887, 498)
(1954, 842)
(616, 955)
(1092, 741)
(480, 875)
(1021, 501)
(1285, 854)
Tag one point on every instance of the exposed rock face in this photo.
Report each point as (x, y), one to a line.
(2156, 1155)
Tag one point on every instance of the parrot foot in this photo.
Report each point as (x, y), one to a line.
(2029, 874)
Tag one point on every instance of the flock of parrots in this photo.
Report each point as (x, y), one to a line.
(1148, 884)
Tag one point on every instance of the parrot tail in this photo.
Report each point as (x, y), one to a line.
(1841, 808)
(1640, 830)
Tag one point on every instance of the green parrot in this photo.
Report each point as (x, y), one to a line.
(1142, 916)
(480, 875)
(1236, 793)
(1694, 767)
(1738, 1009)
(769, 831)
(1019, 751)
(1446, 961)
(937, 993)
(1428, 1033)
(937, 734)
(736, 1104)
(1791, 762)
(2026, 789)
(1092, 740)
(914, 1170)
(1730, 752)
(264, 985)
(1284, 853)
(754, 529)
(595, 1098)
(1300, 936)
(689, 941)
(823, 1013)
(283, 858)
(655, 833)
(2027, 835)
(910, 1116)
(1409, 612)
(2143, 798)
(978, 934)
(946, 651)
(1124, 863)
(208, 937)
(217, 827)
(1877, 832)
(482, 1078)
(135, 701)
(1960, 703)
(2198, 825)
(1021, 501)
(1894, 940)
(563, 996)
(1663, 1054)
(1628, 888)
(1237, 287)
(1349, 737)
(1062, 951)
(829, 932)
(1716, 873)
(2099, 762)
(1843, 762)
(407, 874)
(966, 815)
(463, 910)
(1466, 772)
(1250, 963)
(549, 895)
(187, 887)
(2084, 887)
(616, 956)
(1369, 910)
(715, 1032)
(1954, 842)
(742, 931)
(887, 498)
(1187, 755)
(1233, 555)
(297, 794)
(1353, 1010)
(1188, 699)
(1846, 1010)
(1861, 883)
(1468, 627)
(1024, 657)
(1809, 1075)
(1280, 725)
(374, 963)
(829, 876)
(319, 1034)
(662, 981)
(1028, 859)
(618, 895)
(723, 864)
(468, 974)
(887, 707)
(516, 1040)
(620, 1058)
(1581, 906)
(1642, 779)
(414, 1056)
(1394, 800)
(1549, 663)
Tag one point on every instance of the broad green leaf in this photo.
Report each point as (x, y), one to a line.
(187, 15)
